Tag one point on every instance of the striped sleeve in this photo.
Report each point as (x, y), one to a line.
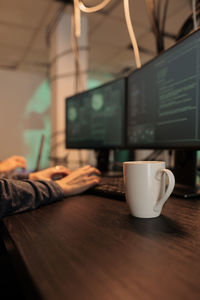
(22, 195)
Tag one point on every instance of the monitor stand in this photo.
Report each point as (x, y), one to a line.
(103, 160)
(102, 156)
(185, 172)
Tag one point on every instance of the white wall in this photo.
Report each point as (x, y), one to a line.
(17, 89)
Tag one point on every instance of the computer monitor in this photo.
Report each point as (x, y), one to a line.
(163, 102)
(95, 119)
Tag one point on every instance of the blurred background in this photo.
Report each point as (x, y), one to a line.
(38, 64)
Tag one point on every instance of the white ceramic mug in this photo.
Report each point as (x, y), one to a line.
(145, 184)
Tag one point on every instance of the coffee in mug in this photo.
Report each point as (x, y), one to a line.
(146, 188)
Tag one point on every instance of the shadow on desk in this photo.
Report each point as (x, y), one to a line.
(159, 227)
(116, 216)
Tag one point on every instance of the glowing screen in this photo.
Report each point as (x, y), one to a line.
(164, 99)
(95, 118)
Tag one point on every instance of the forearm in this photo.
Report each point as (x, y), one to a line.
(17, 196)
(14, 175)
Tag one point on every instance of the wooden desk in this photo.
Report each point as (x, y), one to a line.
(89, 247)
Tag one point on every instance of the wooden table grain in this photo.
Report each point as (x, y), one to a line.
(89, 247)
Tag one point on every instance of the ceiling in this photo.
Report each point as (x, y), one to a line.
(24, 25)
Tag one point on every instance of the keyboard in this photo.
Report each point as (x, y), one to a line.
(110, 187)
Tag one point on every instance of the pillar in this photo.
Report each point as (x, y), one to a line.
(63, 79)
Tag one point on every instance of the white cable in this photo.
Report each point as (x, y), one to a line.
(194, 14)
(94, 8)
(131, 33)
(74, 44)
(77, 17)
(79, 6)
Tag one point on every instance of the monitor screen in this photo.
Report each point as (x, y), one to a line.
(164, 99)
(95, 118)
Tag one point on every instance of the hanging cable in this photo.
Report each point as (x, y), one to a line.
(164, 17)
(152, 15)
(79, 6)
(77, 17)
(94, 8)
(74, 43)
(157, 21)
(194, 14)
(131, 33)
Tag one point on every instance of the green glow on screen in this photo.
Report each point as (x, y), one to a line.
(35, 123)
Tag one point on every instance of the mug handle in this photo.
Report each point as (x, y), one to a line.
(168, 191)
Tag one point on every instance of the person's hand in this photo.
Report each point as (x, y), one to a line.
(12, 163)
(49, 173)
(79, 180)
